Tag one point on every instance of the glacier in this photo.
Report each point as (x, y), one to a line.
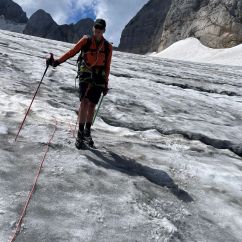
(168, 165)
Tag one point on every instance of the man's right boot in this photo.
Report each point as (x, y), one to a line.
(80, 140)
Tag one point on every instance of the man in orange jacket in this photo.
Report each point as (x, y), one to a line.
(93, 75)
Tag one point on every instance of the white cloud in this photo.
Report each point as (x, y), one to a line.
(116, 12)
(60, 10)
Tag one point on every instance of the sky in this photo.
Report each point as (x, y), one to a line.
(117, 13)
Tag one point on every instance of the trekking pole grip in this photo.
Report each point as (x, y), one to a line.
(50, 60)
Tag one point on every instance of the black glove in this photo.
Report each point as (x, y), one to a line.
(52, 62)
(106, 89)
(55, 63)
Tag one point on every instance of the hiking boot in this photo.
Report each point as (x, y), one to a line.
(88, 138)
(80, 140)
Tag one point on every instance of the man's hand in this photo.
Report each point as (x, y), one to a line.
(52, 62)
(106, 89)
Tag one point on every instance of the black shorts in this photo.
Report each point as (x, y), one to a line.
(93, 94)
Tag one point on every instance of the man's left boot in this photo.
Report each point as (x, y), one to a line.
(88, 137)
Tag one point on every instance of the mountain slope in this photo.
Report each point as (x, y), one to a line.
(12, 11)
(168, 166)
(141, 35)
(12, 16)
(41, 24)
(160, 23)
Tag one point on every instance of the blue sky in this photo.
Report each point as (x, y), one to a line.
(117, 13)
(87, 12)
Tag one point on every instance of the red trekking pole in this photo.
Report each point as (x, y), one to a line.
(21, 126)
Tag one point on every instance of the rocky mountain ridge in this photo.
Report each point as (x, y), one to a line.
(160, 23)
(12, 11)
(41, 24)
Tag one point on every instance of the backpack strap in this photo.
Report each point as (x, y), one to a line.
(106, 50)
(87, 46)
(85, 49)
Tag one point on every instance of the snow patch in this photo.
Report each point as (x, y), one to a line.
(191, 49)
(151, 135)
(2, 212)
(168, 225)
(3, 129)
(11, 26)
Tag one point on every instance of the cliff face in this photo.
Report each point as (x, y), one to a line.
(141, 33)
(41, 24)
(216, 23)
(12, 12)
(160, 23)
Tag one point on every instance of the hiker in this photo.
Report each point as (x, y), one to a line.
(93, 73)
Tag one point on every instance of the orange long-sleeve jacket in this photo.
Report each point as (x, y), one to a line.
(95, 57)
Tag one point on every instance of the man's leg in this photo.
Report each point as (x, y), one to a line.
(82, 115)
(90, 115)
(89, 118)
(94, 96)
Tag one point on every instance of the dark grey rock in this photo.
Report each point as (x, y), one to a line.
(84, 26)
(216, 23)
(12, 11)
(160, 23)
(141, 33)
(41, 24)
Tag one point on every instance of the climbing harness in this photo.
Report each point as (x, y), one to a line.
(86, 72)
